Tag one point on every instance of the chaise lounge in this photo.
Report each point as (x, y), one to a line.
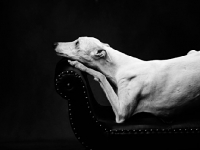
(94, 124)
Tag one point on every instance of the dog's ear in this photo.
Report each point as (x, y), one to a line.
(100, 53)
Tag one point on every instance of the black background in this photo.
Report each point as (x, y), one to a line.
(32, 114)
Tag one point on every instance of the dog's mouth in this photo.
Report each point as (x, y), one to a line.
(64, 55)
(61, 54)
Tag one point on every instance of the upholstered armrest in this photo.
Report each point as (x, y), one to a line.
(73, 85)
(67, 80)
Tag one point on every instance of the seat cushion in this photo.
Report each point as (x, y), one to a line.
(143, 121)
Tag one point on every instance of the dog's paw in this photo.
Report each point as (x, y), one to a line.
(99, 77)
(72, 62)
(96, 79)
(77, 65)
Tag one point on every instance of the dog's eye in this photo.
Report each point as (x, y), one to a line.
(77, 43)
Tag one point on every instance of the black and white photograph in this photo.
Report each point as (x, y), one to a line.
(100, 74)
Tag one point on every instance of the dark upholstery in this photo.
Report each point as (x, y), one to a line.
(94, 125)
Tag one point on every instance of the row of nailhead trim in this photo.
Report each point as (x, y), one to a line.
(74, 129)
(155, 131)
(69, 104)
(59, 78)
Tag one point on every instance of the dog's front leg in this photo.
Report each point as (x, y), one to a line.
(97, 75)
(105, 85)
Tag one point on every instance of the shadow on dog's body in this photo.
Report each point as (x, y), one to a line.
(161, 87)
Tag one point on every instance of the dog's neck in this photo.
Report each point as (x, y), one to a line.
(114, 61)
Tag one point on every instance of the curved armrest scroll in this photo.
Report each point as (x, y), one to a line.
(68, 80)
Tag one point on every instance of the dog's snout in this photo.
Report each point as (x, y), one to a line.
(55, 45)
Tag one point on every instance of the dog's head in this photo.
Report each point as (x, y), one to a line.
(88, 50)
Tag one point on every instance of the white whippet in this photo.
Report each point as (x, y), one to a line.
(160, 87)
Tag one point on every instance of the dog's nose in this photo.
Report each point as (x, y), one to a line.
(55, 45)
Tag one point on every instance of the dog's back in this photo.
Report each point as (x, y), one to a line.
(173, 84)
